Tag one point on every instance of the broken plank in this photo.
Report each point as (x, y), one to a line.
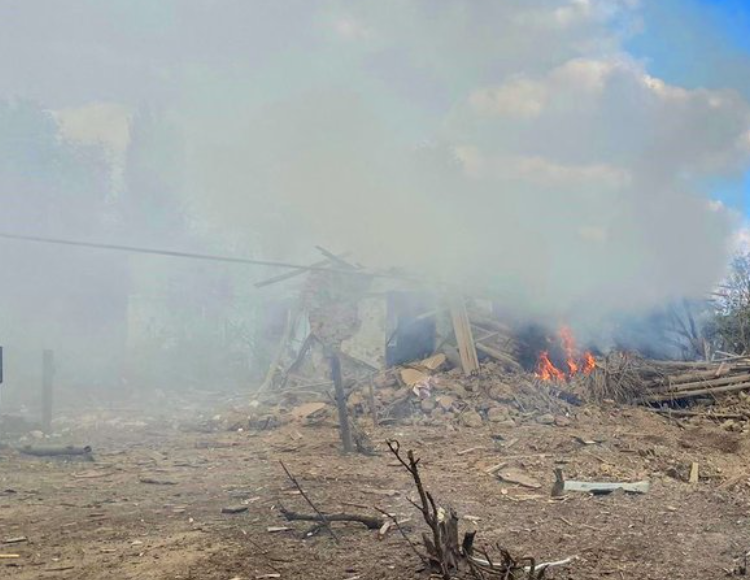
(694, 473)
(562, 485)
(464, 336)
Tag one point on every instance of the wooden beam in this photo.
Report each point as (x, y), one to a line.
(464, 335)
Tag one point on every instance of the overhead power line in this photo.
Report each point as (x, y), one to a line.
(189, 255)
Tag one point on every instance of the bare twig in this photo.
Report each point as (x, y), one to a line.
(426, 505)
(309, 501)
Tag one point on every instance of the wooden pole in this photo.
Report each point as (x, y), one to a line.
(48, 373)
(346, 436)
(373, 406)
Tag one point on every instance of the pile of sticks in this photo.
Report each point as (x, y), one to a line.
(628, 378)
(672, 380)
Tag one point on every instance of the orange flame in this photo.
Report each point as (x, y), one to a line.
(569, 345)
(589, 363)
(584, 364)
(546, 371)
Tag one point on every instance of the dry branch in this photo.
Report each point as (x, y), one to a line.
(323, 518)
(370, 522)
(68, 451)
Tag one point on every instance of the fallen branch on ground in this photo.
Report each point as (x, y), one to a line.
(323, 518)
(371, 522)
(68, 451)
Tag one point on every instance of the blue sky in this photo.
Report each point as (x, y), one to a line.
(701, 43)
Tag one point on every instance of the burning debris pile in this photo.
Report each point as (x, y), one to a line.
(409, 353)
(576, 363)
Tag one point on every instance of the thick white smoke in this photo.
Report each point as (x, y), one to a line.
(510, 146)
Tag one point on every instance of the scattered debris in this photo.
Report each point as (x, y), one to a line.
(92, 474)
(156, 481)
(69, 451)
(307, 410)
(413, 377)
(237, 509)
(18, 540)
(518, 477)
(694, 475)
(277, 529)
(444, 555)
(470, 450)
(383, 531)
(597, 488)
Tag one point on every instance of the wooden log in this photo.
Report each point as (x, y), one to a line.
(691, 377)
(372, 523)
(677, 395)
(731, 380)
(68, 451)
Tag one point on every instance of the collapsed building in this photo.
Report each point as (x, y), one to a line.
(410, 349)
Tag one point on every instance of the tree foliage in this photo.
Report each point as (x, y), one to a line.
(731, 324)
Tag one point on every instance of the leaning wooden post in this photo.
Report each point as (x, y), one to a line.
(346, 436)
(48, 373)
(373, 406)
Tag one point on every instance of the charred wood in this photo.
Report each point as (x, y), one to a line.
(371, 522)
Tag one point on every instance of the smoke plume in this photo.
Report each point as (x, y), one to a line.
(512, 148)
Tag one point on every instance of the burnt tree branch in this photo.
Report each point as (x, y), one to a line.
(370, 522)
(323, 518)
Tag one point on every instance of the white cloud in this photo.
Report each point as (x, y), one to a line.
(517, 98)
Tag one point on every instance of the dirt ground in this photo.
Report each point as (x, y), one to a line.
(150, 505)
